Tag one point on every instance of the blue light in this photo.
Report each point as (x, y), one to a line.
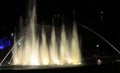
(4, 43)
(2, 46)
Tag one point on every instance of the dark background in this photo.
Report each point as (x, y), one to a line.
(87, 13)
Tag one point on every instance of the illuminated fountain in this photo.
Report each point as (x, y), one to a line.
(40, 46)
(33, 51)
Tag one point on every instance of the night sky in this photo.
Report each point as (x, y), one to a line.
(87, 13)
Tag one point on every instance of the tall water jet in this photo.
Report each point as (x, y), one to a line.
(44, 50)
(75, 46)
(54, 48)
(33, 51)
(64, 49)
(30, 45)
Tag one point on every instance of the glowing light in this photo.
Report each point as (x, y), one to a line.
(97, 45)
(101, 12)
(2, 47)
(16, 61)
(4, 43)
(34, 61)
(99, 62)
(12, 34)
(19, 44)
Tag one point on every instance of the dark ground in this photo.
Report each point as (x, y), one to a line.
(107, 68)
